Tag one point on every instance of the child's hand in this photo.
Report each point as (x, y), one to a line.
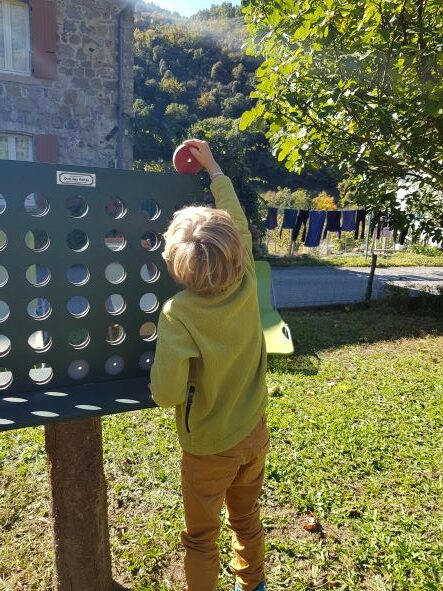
(202, 152)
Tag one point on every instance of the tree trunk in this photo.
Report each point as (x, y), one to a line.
(371, 278)
(79, 506)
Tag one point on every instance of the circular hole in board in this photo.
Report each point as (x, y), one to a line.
(146, 360)
(148, 303)
(78, 369)
(6, 378)
(3, 240)
(78, 306)
(148, 331)
(39, 308)
(38, 275)
(76, 206)
(115, 240)
(150, 210)
(77, 240)
(37, 240)
(5, 345)
(40, 341)
(2, 204)
(149, 272)
(115, 208)
(115, 273)
(4, 276)
(79, 338)
(115, 334)
(41, 373)
(78, 274)
(115, 304)
(4, 311)
(150, 241)
(114, 365)
(36, 205)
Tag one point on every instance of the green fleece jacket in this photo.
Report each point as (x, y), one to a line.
(210, 361)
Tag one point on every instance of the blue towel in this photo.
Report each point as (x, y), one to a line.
(271, 220)
(348, 220)
(333, 222)
(289, 216)
(316, 223)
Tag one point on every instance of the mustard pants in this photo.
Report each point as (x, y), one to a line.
(236, 478)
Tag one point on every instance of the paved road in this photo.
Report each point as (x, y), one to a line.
(298, 287)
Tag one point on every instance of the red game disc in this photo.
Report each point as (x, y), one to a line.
(184, 161)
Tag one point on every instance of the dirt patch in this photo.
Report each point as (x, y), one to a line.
(282, 524)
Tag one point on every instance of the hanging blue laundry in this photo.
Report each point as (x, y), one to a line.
(333, 222)
(271, 220)
(348, 220)
(302, 220)
(360, 222)
(315, 230)
(289, 217)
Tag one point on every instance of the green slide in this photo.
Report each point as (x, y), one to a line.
(277, 334)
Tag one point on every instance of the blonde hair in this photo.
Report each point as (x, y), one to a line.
(204, 250)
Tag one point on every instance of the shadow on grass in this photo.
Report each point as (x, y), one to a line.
(302, 260)
(314, 331)
(305, 363)
(117, 587)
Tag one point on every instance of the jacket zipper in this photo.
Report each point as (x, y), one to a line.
(191, 393)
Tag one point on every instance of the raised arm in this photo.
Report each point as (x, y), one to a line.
(222, 189)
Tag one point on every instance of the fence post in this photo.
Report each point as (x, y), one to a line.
(371, 278)
(78, 506)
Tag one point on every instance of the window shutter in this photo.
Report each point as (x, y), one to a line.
(44, 38)
(46, 148)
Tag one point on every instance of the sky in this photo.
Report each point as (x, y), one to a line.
(187, 8)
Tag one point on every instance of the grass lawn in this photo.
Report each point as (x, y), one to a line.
(357, 426)
(408, 259)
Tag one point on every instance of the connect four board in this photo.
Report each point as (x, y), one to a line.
(82, 281)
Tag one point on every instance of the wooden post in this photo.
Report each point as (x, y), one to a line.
(368, 235)
(78, 506)
(371, 278)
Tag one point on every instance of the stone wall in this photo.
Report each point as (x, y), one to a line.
(80, 107)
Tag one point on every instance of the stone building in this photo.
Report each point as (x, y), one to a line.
(66, 86)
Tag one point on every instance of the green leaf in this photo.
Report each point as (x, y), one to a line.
(250, 116)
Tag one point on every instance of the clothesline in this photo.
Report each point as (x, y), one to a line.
(315, 224)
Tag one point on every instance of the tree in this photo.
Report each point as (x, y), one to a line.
(173, 62)
(234, 106)
(151, 139)
(357, 85)
(285, 198)
(219, 73)
(171, 85)
(224, 10)
(178, 112)
(207, 104)
(238, 72)
(324, 201)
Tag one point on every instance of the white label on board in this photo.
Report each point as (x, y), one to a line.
(78, 179)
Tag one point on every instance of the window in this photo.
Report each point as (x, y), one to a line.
(16, 147)
(15, 42)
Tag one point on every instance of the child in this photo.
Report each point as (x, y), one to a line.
(210, 364)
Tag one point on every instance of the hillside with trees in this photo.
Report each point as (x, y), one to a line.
(193, 77)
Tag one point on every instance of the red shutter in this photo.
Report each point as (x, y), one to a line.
(46, 148)
(44, 38)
